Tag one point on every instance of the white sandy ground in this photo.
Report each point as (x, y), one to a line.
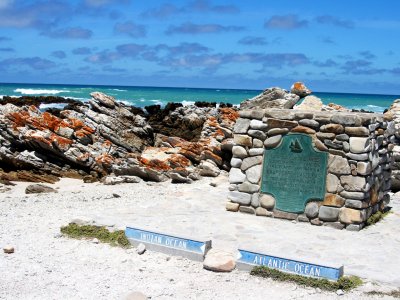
(47, 266)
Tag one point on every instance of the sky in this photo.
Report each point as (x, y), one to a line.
(331, 45)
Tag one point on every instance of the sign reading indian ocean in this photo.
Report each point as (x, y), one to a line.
(167, 241)
(294, 173)
(289, 266)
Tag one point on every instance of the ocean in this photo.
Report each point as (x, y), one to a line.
(143, 96)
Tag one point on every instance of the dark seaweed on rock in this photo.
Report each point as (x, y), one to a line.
(36, 100)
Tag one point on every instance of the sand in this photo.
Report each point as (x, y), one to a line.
(46, 265)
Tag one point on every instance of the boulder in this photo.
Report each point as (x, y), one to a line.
(299, 89)
(38, 189)
(310, 103)
(271, 98)
(219, 261)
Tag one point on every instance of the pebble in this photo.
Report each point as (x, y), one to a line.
(95, 241)
(116, 195)
(141, 248)
(8, 249)
(339, 292)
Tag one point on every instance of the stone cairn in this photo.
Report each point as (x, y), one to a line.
(394, 113)
(358, 175)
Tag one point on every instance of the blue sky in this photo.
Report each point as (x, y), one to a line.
(331, 45)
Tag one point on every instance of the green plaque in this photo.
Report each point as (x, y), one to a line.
(294, 173)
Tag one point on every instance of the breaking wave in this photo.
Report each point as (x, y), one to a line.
(38, 92)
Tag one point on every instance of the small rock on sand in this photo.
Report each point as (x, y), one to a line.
(8, 249)
(141, 248)
(219, 261)
(39, 188)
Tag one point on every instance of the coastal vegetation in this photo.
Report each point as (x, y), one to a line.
(345, 283)
(114, 238)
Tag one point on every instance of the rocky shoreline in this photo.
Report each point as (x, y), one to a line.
(104, 137)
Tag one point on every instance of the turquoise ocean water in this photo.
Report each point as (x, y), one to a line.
(143, 96)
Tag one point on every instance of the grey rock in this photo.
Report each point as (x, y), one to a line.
(256, 151)
(254, 200)
(257, 114)
(271, 98)
(333, 145)
(239, 152)
(272, 142)
(233, 187)
(258, 134)
(241, 125)
(95, 241)
(38, 189)
(325, 135)
(236, 162)
(332, 183)
(141, 248)
(277, 131)
(338, 165)
(357, 131)
(178, 178)
(353, 195)
(263, 212)
(239, 197)
(251, 161)
(247, 210)
(236, 176)
(284, 215)
(346, 119)
(209, 169)
(359, 144)
(309, 123)
(258, 143)
(358, 204)
(360, 157)
(353, 183)
(311, 210)
(104, 99)
(258, 125)
(343, 137)
(346, 146)
(354, 227)
(253, 174)
(248, 187)
(328, 214)
(267, 201)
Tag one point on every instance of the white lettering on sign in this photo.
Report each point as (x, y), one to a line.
(307, 270)
(281, 264)
(167, 241)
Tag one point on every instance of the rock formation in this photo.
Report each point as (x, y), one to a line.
(299, 89)
(271, 98)
(91, 140)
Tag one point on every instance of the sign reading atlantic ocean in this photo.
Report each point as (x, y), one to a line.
(294, 173)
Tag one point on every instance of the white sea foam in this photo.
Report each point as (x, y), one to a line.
(157, 102)
(187, 103)
(38, 92)
(44, 106)
(118, 90)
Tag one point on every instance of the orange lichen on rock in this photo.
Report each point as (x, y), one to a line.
(178, 161)
(155, 164)
(228, 113)
(104, 159)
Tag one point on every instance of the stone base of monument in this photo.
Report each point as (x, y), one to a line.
(325, 168)
(247, 260)
(169, 244)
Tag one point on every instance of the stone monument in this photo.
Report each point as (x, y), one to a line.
(324, 167)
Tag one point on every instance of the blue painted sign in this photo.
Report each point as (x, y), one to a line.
(168, 241)
(290, 266)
